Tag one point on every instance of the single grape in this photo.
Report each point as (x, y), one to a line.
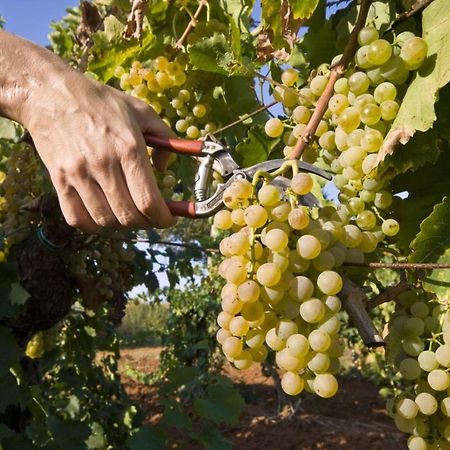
(329, 282)
(407, 408)
(426, 403)
(292, 383)
(308, 246)
(255, 216)
(239, 326)
(312, 311)
(379, 52)
(269, 195)
(298, 345)
(438, 380)
(302, 183)
(268, 274)
(289, 77)
(367, 35)
(274, 128)
(301, 288)
(248, 291)
(243, 361)
(390, 227)
(325, 385)
(414, 51)
(319, 341)
(318, 84)
(358, 83)
(232, 347)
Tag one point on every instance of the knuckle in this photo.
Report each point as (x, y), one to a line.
(104, 221)
(74, 222)
(76, 168)
(126, 219)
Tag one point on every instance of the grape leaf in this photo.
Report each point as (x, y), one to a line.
(432, 245)
(319, 42)
(222, 404)
(147, 438)
(417, 111)
(113, 28)
(240, 11)
(174, 416)
(10, 353)
(255, 148)
(212, 439)
(211, 54)
(303, 9)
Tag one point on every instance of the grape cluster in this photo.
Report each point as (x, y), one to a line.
(165, 87)
(281, 287)
(359, 115)
(21, 186)
(282, 259)
(419, 346)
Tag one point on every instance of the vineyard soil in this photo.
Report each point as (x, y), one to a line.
(354, 419)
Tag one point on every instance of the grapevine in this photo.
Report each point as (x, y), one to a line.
(296, 266)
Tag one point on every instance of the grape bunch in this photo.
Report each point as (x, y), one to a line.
(164, 85)
(419, 346)
(281, 290)
(359, 115)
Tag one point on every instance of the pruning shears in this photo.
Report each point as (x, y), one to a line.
(213, 155)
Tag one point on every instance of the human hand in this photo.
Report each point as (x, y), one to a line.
(90, 137)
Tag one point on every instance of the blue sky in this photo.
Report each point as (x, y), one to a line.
(31, 18)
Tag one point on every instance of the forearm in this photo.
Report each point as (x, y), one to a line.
(24, 69)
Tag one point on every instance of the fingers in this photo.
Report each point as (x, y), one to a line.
(122, 204)
(144, 190)
(75, 212)
(160, 159)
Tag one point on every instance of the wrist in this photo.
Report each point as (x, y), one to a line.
(27, 77)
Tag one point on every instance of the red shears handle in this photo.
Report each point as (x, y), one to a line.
(182, 146)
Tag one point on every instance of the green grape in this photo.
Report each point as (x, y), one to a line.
(358, 83)
(319, 341)
(286, 328)
(292, 383)
(238, 326)
(370, 114)
(199, 110)
(395, 70)
(319, 363)
(374, 76)
(301, 288)
(385, 91)
(337, 103)
(273, 341)
(232, 347)
(443, 355)
(349, 119)
(413, 345)
(277, 240)
(367, 35)
(325, 261)
(407, 408)
(274, 127)
(341, 86)
(312, 310)
(192, 132)
(327, 142)
(222, 220)
(379, 52)
(289, 77)
(308, 246)
(318, 84)
(301, 114)
(268, 274)
(361, 57)
(414, 51)
(389, 109)
(390, 227)
(255, 216)
(302, 183)
(426, 403)
(269, 195)
(438, 380)
(252, 311)
(383, 199)
(329, 282)
(325, 385)
(445, 406)
(254, 338)
(409, 369)
(417, 443)
(221, 335)
(298, 345)
(243, 361)
(369, 163)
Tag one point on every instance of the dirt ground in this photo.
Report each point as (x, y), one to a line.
(354, 419)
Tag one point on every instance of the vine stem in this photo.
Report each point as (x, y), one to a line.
(419, 6)
(192, 23)
(337, 71)
(245, 117)
(388, 294)
(354, 301)
(411, 266)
